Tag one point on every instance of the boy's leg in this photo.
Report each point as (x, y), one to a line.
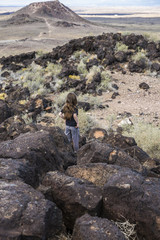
(75, 138)
(68, 133)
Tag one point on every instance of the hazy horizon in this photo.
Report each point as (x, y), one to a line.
(88, 3)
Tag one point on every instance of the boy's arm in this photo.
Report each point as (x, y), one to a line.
(76, 119)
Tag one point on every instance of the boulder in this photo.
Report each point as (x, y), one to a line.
(121, 56)
(5, 111)
(12, 127)
(73, 196)
(138, 66)
(38, 148)
(120, 141)
(88, 227)
(131, 196)
(137, 153)
(18, 169)
(97, 133)
(26, 214)
(144, 86)
(95, 152)
(62, 144)
(97, 173)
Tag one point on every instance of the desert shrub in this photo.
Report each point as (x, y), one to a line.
(81, 67)
(92, 72)
(53, 69)
(105, 81)
(79, 54)
(33, 78)
(85, 121)
(150, 36)
(28, 119)
(39, 53)
(92, 100)
(140, 55)
(147, 137)
(121, 47)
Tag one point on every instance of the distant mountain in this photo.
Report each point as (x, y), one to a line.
(53, 9)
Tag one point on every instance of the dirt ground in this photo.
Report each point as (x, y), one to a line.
(143, 105)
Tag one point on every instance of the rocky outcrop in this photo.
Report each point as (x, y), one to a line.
(95, 152)
(18, 169)
(25, 213)
(135, 198)
(73, 196)
(88, 227)
(38, 148)
(97, 173)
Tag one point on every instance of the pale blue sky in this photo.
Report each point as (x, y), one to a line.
(87, 2)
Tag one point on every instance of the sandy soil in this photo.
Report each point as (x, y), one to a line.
(143, 105)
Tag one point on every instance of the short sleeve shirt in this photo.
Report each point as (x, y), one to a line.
(71, 122)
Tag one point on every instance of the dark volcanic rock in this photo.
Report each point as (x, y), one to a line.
(66, 24)
(73, 196)
(135, 198)
(38, 148)
(138, 66)
(15, 169)
(65, 150)
(87, 228)
(121, 56)
(155, 67)
(23, 19)
(24, 212)
(120, 141)
(95, 152)
(5, 111)
(97, 173)
(137, 153)
(144, 86)
(5, 74)
(97, 133)
(12, 127)
(84, 105)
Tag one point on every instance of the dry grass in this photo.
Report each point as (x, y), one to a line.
(147, 137)
(127, 229)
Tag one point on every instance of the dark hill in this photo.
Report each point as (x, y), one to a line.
(53, 9)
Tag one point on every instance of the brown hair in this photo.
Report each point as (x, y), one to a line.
(71, 102)
(71, 99)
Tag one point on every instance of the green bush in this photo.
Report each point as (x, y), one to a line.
(121, 47)
(140, 55)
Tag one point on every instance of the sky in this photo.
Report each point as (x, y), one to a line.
(86, 3)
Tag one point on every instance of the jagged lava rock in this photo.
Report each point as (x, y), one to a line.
(94, 152)
(18, 169)
(62, 144)
(131, 196)
(97, 173)
(73, 196)
(24, 212)
(38, 148)
(88, 227)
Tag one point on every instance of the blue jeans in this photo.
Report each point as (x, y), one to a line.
(72, 134)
